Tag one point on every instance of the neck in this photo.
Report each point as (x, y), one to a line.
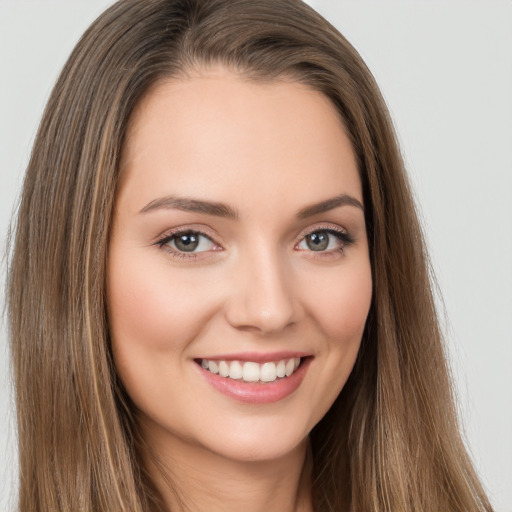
(190, 478)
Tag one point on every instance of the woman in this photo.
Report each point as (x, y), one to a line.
(186, 143)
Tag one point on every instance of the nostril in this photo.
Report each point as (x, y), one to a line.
(262, 300)
(266, 322)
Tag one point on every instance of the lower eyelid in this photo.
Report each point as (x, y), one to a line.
(165, 243)
(343, 236)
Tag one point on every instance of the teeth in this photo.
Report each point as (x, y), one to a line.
(223, 369)
(214, 367)
(235, 370)
(290, 366)
(252, 372)
(281, 369)
(268, 372)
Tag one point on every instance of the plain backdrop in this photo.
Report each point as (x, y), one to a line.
(445, 69)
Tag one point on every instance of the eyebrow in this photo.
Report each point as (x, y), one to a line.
(330, 204)
(191, 205)
(223, 210)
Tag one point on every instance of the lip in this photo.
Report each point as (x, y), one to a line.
(257, 393)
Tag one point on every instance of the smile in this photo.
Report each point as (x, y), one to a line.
(255, 378)
(250, 371)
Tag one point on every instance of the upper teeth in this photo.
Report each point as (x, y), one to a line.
(252, 372)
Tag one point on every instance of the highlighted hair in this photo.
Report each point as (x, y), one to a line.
(391, 440)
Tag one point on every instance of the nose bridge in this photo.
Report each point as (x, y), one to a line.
(263, 297)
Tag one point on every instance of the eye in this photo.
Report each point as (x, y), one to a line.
(324, 240)
(188, 242)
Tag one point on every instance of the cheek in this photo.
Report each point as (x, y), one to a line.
(150, 307)
(342, 303)
(339, 304)
(154, 314)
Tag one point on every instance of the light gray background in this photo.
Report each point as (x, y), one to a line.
(445, 68)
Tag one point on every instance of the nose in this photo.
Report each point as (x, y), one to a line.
(262, 298)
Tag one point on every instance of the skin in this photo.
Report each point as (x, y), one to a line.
(267, 151)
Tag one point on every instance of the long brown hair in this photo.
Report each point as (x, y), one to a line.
(389, 443)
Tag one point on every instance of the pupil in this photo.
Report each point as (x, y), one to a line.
(187, 242)
(318, 241)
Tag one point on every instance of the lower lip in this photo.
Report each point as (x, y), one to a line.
(257, 393)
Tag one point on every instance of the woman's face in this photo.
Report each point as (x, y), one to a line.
(238, 250)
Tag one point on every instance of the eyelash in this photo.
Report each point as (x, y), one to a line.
(345, 239)
(163, 242)
(343, 236)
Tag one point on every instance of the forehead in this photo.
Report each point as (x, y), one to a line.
(222, 134)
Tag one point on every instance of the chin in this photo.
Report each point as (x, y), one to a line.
(260, 443)
(260, 452)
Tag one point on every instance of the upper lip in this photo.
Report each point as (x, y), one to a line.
(257, 357)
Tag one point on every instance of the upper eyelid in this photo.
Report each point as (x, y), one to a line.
(169, 233)
(163, 243)
(211, 235)
(321, 227)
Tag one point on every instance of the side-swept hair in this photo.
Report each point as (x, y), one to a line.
(389, 443)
